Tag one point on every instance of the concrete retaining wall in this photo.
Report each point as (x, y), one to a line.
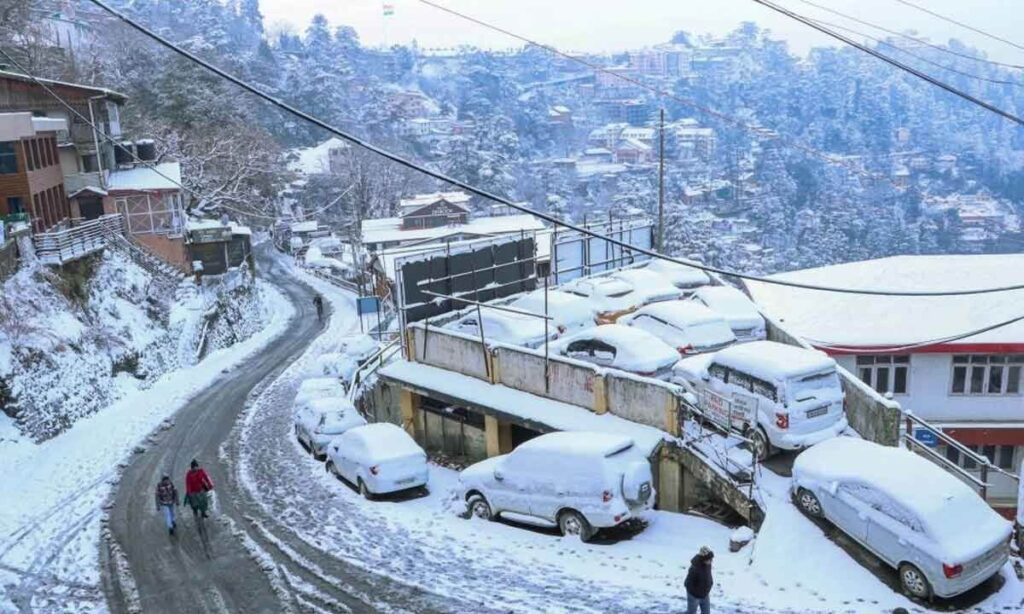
(524, 370)
(441, 348)
(643, 402)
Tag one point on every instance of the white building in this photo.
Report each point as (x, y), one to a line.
(970, 387)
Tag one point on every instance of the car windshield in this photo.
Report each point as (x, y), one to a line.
(809, 386)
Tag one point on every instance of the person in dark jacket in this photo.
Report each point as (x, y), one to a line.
(318, 302)
(698, 582)
(166, 501)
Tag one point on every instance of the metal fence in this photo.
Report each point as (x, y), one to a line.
(74, 239)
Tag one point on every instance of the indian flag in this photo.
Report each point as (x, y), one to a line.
(389, 10)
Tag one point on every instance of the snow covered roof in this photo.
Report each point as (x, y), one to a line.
(315, 160)
(101, 91)
(865, 321)
(523, 405)
(458, 198)
(164, 176)
(307, 226)
(773, 361)
(389, 229)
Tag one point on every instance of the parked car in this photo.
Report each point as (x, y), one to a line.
(569, 313)
(611, 297)
(940, 536)
(649, 286)
(578, 482)
(740, 312)
(378, 458)
(318, 421)
(782, 396)
(318, 387)
(620, 347)
(679, 275)
(689, 327)
(504, 327)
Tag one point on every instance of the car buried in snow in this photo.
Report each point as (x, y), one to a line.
(378, 459)
(779, 396)
(622, 347)
(649, 286)
(934, 530)
(689, 327)
(504, 327)
(569, 313)
(318, 421)
(578, 482)
(686, 278)
(611, 297)
(318, 387)
(740, 312)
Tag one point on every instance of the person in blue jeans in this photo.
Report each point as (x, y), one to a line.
(699, 582)
(166, 501)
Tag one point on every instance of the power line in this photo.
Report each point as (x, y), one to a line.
(881, 56)
(916, 56)
(913, 346)
(828, 158)
(112, 140)
(911, 38)
(960, 23)
(397, 159)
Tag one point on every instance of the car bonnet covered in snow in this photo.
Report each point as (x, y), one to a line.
(318, 387)
(649, 285)
(961, 523)
(773, 361)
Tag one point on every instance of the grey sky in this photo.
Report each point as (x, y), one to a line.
(606, 25)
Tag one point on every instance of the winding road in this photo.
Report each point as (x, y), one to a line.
(155, 572)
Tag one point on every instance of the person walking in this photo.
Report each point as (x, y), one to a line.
(166, 501)
(197, 485)
(318, 302)
(699, 582)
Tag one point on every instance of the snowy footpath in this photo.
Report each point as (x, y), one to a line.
(53, 493)
(423, 542)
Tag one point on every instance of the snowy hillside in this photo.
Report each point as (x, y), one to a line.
(74, 340)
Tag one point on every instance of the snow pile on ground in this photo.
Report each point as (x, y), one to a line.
(50, 521)
(75, 339)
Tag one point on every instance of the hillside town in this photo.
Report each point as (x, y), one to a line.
(292, 322)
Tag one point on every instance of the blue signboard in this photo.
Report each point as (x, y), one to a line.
(367, 304)
(926, 437)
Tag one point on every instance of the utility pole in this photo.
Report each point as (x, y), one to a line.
(661, 182)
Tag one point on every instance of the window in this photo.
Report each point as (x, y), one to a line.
(884, 373)
(980, 374)
(8, 159)
(719, 372)
(15, 204)
(740, 379)
(36, 159)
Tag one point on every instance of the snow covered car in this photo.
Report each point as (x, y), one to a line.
(378, 458)
(689, 327)
(569, 313)
(504, 327)
(317, 387)
(939, 535)
(679, 275)
(610, 296)
(319, 420)
(740, 312)
(649, 286)
(620, 347)
(576, 481)
(780, 396)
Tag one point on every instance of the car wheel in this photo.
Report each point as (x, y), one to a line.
(480, 508)
(364, 491)
(914, 582)
(572, 523)
(809, 503)
(760, 447)
(330, 468)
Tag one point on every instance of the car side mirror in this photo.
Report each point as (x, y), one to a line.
(498, 475)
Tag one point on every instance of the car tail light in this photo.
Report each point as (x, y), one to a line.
(618, 518)
(375, 469)
(782, 421)
(686, 349)
(952, 571)
(606, 496)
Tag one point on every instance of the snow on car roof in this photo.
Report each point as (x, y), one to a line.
(384, 438)
(678, 271)
(945, 505)
(636, 349)
(680, 313)
(770, 360)
(580, 443)
(331, 404)
(727, 300)
(568, 306)
(647, 281)
(602, 285)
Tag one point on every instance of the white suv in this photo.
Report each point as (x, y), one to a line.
(579, 482)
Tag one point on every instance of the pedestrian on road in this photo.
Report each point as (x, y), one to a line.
(166, 501)
(698, 582)
(318, 302)
(197, 484)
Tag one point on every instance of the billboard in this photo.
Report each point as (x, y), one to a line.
(476, 270)
(576, 255)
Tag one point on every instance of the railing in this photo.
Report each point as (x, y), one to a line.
(370, 366)
(985, 466)
(12, 218)
(70, 242)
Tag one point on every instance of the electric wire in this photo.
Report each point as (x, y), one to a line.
(961, 24)
(398, 159)
(894, 62)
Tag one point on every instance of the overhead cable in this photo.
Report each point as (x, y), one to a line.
(961, 24)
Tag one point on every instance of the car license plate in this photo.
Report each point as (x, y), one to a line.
(817, 411)
(645, 491)
(405, 481)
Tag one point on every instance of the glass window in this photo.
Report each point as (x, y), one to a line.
(1013, 380)
(719, 372)
(741, 379)
(980, 374)
(15, 204)
(885, 373)
(1004, 458)
(8, 159)
(977, 379)
(959, 379)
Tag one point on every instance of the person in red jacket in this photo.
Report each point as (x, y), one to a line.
(197, 484)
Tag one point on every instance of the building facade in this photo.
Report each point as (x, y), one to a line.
(31, 181)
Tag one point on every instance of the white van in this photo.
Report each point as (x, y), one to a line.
(781, 396)
(578, 482)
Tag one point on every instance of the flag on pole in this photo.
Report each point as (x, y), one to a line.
(389, 10)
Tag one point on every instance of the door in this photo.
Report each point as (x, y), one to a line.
(892, 530)
(510, 484)
(847, 510)
(90, 208)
